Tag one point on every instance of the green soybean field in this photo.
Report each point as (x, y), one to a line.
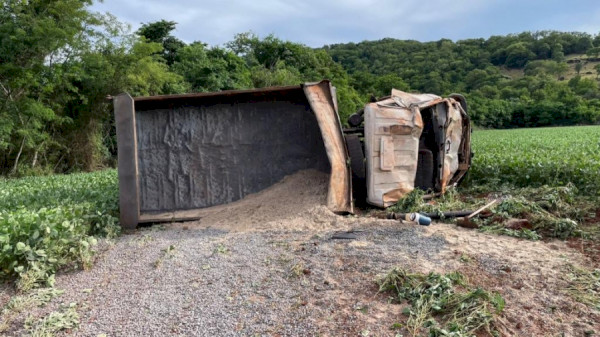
(51, 222)
(553, 156)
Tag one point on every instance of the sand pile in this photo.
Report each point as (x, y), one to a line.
(298, 202)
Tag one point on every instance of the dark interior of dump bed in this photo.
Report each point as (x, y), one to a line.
(201, 151)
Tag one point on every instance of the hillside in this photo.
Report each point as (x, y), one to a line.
(529, 79)
(588, 68)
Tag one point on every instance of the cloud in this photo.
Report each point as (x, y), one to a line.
(320, 22)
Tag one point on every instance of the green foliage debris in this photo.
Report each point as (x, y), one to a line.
(547, 211)
(66, 318)
(584, 285)
(442, 305)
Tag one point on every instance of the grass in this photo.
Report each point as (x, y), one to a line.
(51, 222)
(442, 305)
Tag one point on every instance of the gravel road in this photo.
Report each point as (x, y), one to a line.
(172, 281)
(208, 282)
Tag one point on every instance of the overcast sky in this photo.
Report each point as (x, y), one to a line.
(320, 22)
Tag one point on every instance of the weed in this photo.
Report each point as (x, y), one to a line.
(221, 249)
(37, 298)
(21, 303)
(443, 304)
(168, 253)
(396, 326)
(297, 269)
(465, 258)
(362, 308)
(143, 240)
(67, 318)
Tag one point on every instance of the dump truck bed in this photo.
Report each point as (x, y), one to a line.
(180, 153)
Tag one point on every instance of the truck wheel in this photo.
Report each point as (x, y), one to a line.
(357, 156)
(356, 119)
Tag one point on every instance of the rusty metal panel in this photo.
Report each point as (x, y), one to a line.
(321, 97)
(129, 203)
(464, 151)
(392, 131)
(452, 146)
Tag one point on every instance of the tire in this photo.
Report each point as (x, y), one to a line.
(357, 156)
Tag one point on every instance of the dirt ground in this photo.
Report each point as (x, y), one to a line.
(273, 265)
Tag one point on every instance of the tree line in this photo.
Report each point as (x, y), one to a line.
(540, 95)
(59, 61)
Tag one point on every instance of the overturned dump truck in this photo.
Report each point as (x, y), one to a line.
(178, 154)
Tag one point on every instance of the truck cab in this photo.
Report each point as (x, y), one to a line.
(406, 141)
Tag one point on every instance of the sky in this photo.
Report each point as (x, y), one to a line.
(321, 22)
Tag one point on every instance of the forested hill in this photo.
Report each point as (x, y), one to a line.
(529, 79)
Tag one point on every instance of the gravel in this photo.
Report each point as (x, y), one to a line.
(167, 280)
(207, 282)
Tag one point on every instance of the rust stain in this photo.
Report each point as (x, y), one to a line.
(320, 98)
(391, 197)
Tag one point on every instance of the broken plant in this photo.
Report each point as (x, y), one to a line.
(529, 213)
(443, 305)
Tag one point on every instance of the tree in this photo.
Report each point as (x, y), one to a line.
(578, 67)
(160, 32)
(273, 61)
(58, 63)
(384, 84)
(211, 70)
(546, 67)
(518, 54)
(593, 52)
(558, 54)
(108, 64)
(36, 36)
(597, 68)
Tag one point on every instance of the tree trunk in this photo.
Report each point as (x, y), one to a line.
(14, 169)
(34, 161)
